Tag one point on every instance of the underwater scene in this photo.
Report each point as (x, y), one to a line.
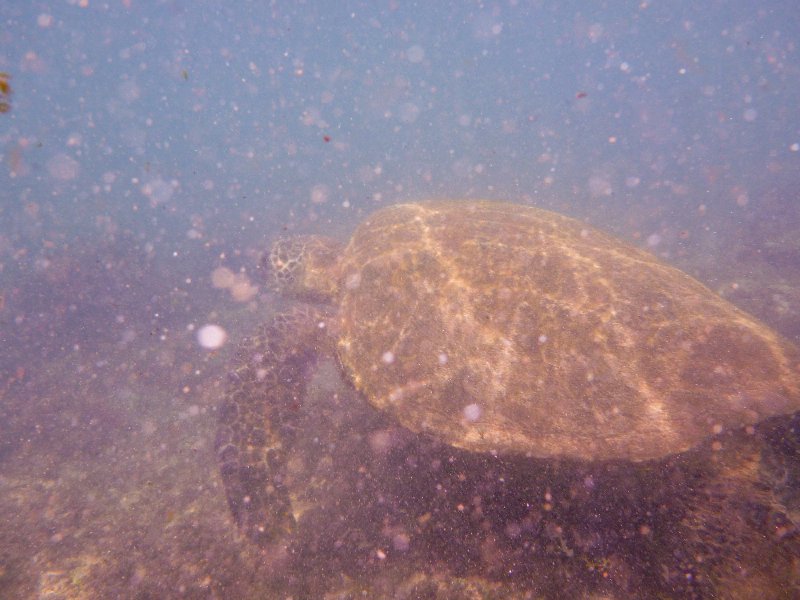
(399, 300)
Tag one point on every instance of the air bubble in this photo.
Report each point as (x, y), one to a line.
(472, 412)
(211, 336)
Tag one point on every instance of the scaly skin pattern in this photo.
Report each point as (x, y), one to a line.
(255, 429)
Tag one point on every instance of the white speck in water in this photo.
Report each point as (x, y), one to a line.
(320, 194)
(211, 336)
(442, 358)
(542, 339)
(353, 281)
(653, 240)
(472, 412)
(382, 441)
(415, 54)
(44, 20)
(388, 357)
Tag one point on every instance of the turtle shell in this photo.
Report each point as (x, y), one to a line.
(503, 328)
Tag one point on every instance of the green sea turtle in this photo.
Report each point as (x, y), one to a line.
(506, 330)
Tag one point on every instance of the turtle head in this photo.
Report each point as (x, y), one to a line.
(304, 266)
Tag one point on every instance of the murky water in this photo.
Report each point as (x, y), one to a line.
(151, 152)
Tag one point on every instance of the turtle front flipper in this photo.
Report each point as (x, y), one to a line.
(256, 419)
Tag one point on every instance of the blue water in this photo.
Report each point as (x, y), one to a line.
(149, 143)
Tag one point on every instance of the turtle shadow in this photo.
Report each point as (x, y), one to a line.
(379, 502)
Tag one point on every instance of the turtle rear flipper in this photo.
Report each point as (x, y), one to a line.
(256, 420)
